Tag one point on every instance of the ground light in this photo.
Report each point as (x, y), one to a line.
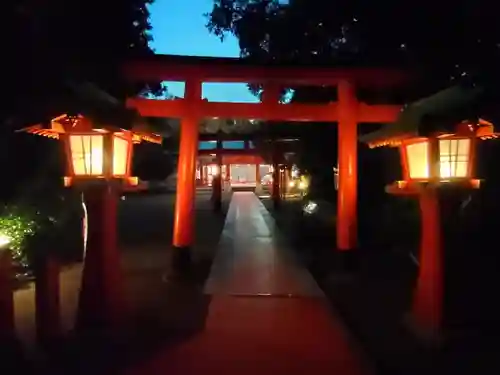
(310, 207)
(4, 241)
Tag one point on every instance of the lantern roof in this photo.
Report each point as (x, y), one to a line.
(85, 102)
(65, 123)
(437, 114)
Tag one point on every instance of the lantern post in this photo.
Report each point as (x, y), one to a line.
(276, 187)
(97, 160)
(98, 163)
(217, 179)
(436, 169)
(7, 322)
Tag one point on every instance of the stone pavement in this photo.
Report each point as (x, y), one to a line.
(265, 312)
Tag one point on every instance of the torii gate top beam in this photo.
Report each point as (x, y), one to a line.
(211, 69)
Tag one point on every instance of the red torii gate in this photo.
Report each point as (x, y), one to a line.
(347, 112)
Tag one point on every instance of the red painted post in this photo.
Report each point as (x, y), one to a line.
(282, 182)
(348, 168)
(199, 166)
(186, 194)
(217, 181)
(102, 308)
(427, 308)
(257, 178)
(7, 321)
(47, 300)
(276, 193)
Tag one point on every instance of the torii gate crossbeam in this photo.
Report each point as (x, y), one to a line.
(347, 112)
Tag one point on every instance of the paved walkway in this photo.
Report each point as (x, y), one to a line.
(266, 314)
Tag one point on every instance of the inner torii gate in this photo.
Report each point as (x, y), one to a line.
(348, 111)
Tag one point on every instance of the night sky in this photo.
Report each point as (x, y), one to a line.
(179, 29)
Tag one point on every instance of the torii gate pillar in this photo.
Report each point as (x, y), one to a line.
(348, 167)
(186, 172)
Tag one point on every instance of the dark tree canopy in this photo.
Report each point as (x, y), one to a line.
(45, 43)
(442, 41)
(445, 40)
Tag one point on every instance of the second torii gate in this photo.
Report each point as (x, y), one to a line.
(348, 111)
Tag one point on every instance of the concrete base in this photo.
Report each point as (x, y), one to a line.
(429, 337)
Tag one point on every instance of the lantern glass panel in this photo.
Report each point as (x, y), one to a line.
(454, 157)
(120, 156)
(87, 154)
(417, 155)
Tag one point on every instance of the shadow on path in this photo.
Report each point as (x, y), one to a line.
(163, 312)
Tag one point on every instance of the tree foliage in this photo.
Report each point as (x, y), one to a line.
(45, 43)
(445, 40)
(440, 40)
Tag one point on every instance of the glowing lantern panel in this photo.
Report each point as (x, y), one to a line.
(454, 158)
(87, 154)
(454, 155)
(120, 156)
(418, 160)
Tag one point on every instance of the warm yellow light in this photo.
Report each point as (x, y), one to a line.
(133, 181)
(401, 184)
(454, 158)
(417, 155)
(67, 181)
(291, 184)
(4, 240)
(87, 154)
(214, 170)
(120, 156)
(454, 155)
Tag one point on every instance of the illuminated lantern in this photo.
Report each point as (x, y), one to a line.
(98, 161)
(102, 154)
(95, 153)
(442, 158)
(430, 163)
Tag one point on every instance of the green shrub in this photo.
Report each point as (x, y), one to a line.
(53, 225)
(17, 225)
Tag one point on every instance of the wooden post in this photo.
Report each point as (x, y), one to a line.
(276, 194)
(283, 183)
(348, 167)
(217, 181)
(102, 308)
(427, 308)
(228, 173)
(287, 180)
(258, 188)
(183, 236)
(200, 166)
(7, 321)
(47, 299)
